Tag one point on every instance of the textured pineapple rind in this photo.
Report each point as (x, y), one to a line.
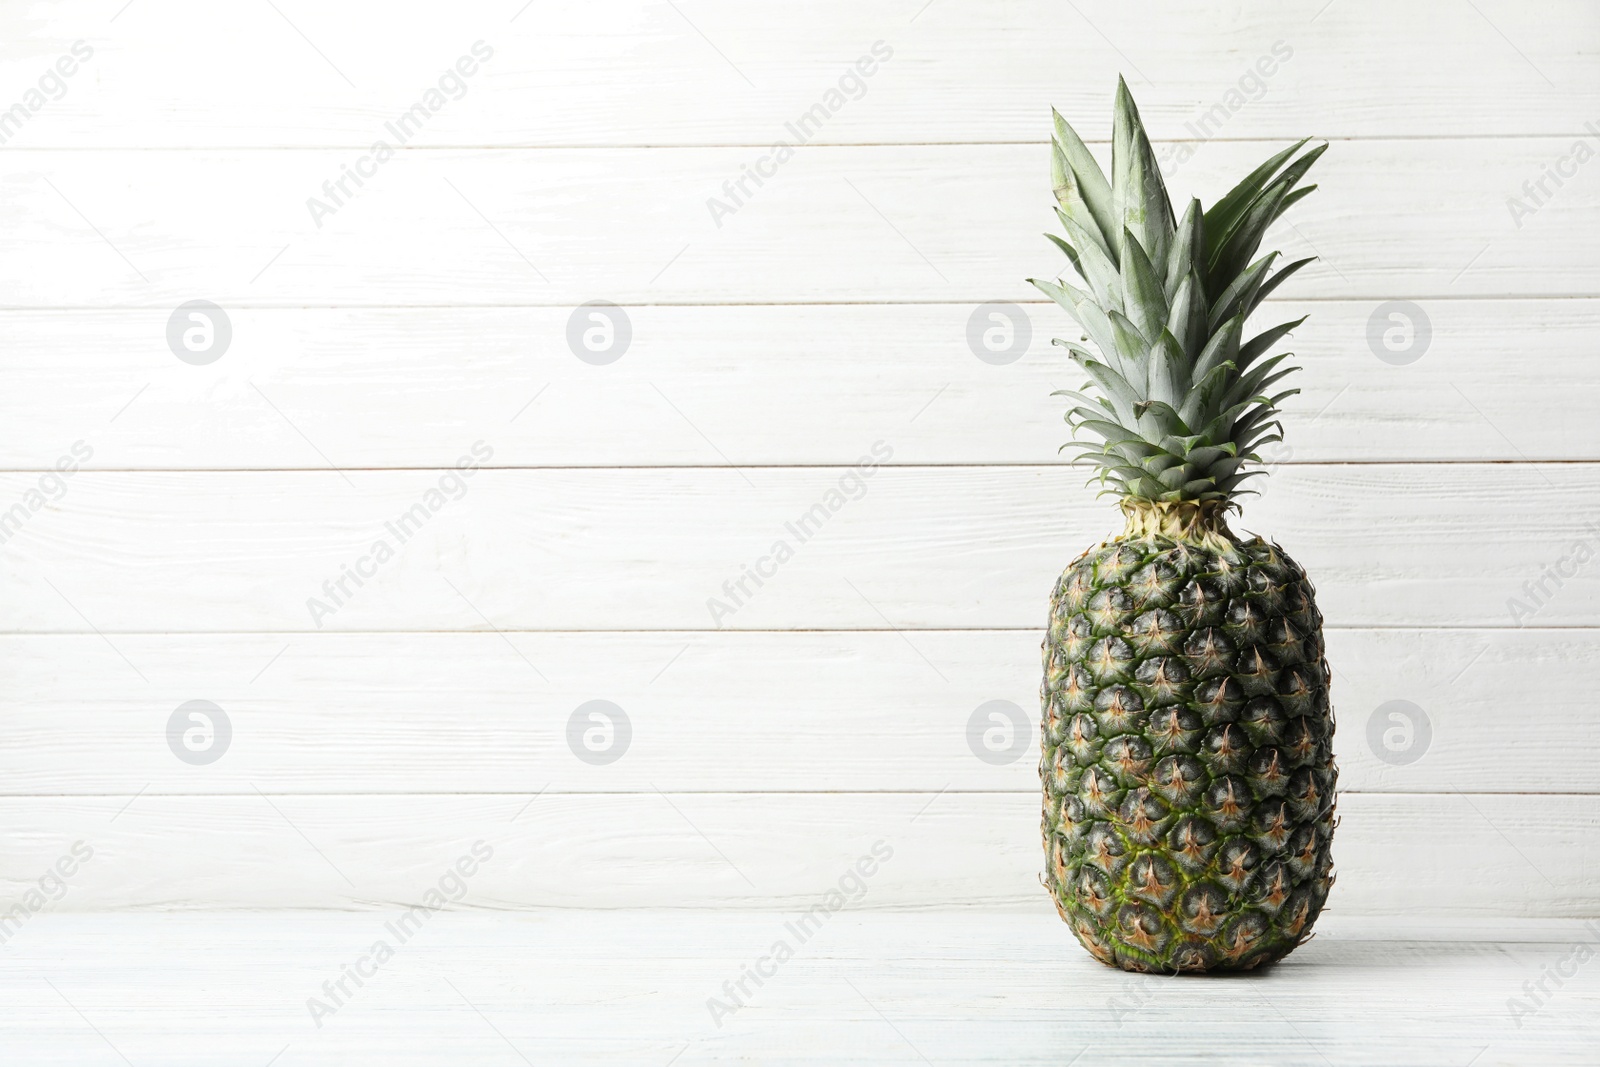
(1187, 754)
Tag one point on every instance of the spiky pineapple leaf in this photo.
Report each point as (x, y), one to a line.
(1131, 343)
(1078, 304)
(1261, 342)
(1276, 280)
(1203, 396)
(1233, 242)
(1291, 199)
(1159, 419)
(1169, 378)
(1111, 383)
(1177, 402)
(1188, 247)
(1225, 212)
(1070, 197)
(1186, 318)
(1207, 457)
(1225, 261)
(1061, 243)
(1221, 348)
(1097, 270)
(1237, 296)
(1145, 302)
(1091, 180)
(1074, 347)
(1297, 170)
(1138, 195)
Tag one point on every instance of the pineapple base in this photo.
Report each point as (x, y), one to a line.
(1187, 747)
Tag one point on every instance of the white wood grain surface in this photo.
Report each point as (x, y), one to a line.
(1395, 853)
(772, 384)
(647, 549)
(769, 353)
(760, 712)
(720, 72)
(631, 988)
(881, 223)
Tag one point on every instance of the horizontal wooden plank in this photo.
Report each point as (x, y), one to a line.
(763, 712)
(561, 227)
(629, 988)
(706, 385)
(641, 549)
(713, 71)
(1395, 853)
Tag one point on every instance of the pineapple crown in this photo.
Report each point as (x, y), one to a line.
(1183, 400)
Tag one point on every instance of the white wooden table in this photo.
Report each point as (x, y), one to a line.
(631, 987)
(218, 492)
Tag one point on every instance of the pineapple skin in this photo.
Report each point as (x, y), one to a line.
(1187, 752)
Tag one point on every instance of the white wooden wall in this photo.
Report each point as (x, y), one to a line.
(769, 354)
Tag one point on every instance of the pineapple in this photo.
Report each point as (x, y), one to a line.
(1187, 758)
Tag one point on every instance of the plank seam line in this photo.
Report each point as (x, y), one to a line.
(825, 630)
(978, 298)
(1024, 299)
(918, 793)
(997, 465)
(679, 146)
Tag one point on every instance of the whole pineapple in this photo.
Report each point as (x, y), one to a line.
(1187, 736)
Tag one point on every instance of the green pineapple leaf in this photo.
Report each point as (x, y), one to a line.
(1223, 347)
(1082, 307)
(1138, 195)
(1169, 379)
(1188, 247)
(1237, 296)
(1144, 299)
(1097, 270)
(1225, 212)
(1257, 345)
(1177, 401)
(1276, 280)
(1131, 342)
(1091, 182)
(1186, 318)
(1239, 245)
(1071, 200)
